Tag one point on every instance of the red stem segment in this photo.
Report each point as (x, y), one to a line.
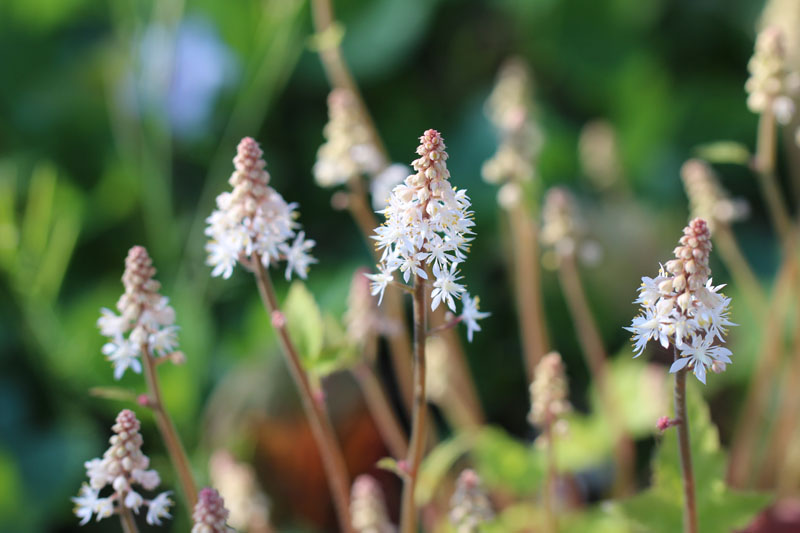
(321, 427)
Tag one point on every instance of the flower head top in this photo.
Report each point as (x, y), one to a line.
(428, 224)
(254, 222)
(210, 514)
(367, 509)
(560, 226)
(681, 307)
(549, 392)
(123, 465)
(470, 506)
(248, 505)
(145, 321)
(771, 86)
(707, 198)
(349, 150)
(510, 111)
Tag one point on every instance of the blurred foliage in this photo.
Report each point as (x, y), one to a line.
(118, 121)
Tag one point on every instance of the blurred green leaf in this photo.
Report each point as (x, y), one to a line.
(438, 462)
(507, 464)
(724, 152)
(390, 464)
(720, 509)
(304, 321)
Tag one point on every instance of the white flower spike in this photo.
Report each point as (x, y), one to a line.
(428, 225)
(682, 307)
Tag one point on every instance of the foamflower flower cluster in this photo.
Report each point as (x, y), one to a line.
(367, 509)
(771, 85)
(682, 307)
(428, 228)
(254, 223)
(145, 322)
(707, 198)
(348, 151)
(210, 514)
(122, 467)
(470, 507)
(549, 393)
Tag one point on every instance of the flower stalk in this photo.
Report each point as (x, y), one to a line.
(408, 509)
(687, 473)
(321, 427)
(127, 521)
(172, 441)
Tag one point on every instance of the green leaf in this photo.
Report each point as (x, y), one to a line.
(724, 152)
(438, 462)
(506, 463)
(720, 509)
(304, 320)
(390, 464)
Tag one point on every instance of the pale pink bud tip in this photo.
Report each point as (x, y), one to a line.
(278, 319)
(402, 466)
(127, 421)
(143, 400)
(666, 422)
(210, 514)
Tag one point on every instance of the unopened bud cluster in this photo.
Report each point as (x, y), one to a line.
(549, 392)
(247, 504)
(771, 86)
(470, 507)
(122, 467)
(707, 198)
(254, 221)
(428, 224)
(509, 110)
(210, 514)
(348, 150)
(145, 321)
(681, 307)
(367, 509)
(560, 227)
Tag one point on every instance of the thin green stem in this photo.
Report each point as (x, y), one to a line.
(408, 511)
(175, 449)
(321, 427)
(687, 474)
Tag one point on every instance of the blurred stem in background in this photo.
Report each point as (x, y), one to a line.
(745, 438)
(408, 509)
(764, 164)
(127, 520)
(313, 404)
(177, 453)
(327, 40)
(687, 472)
(596, 359)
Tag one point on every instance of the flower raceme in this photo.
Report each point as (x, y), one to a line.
(254, 220)
(123, 465)
(428, 229)
(681, 307)
(210, 514)
(146, 320)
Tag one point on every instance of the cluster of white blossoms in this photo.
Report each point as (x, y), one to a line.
(681, 307)
(146, 323)
(210, 514)
(428, 225)
(470, 507)
(254, 222)
(771, 86)
(123, 465)
(367, 509)
(348, 151)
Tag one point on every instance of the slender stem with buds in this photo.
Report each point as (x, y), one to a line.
(127, 520)
(321, 427)
(528, 286)
(166, 427)
(687, 474)
(597, 361)
(408, 511)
